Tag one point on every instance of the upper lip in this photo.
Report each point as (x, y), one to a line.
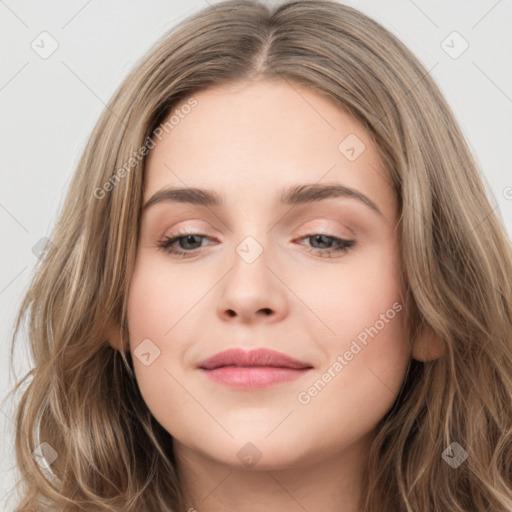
(255, 357)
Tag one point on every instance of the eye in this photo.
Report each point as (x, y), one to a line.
(335, 244)
(190, 243)
(185, 240)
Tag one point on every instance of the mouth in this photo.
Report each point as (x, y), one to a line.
(255, 369)
(253, 377)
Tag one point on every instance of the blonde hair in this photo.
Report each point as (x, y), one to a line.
(457, 273)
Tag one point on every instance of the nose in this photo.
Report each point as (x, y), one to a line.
(252, 292)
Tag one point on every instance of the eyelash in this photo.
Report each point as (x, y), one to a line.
(166, 244)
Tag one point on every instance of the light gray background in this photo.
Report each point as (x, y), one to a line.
(49, 106)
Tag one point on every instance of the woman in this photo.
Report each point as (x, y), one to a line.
(342, 341)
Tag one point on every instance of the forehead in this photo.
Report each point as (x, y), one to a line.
(250, 141)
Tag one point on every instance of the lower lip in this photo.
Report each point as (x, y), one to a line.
(255, 377)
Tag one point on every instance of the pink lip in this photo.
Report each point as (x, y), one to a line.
(253, 369)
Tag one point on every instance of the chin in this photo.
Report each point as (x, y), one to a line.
(260, 454)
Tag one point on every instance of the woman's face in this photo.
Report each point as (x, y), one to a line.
(266, 269)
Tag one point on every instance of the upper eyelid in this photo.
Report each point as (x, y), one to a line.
(321, 219)
(286, 220)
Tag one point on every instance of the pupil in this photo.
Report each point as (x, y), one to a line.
(189, 239)
(319, 238)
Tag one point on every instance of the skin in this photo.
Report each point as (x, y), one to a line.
(247, 141)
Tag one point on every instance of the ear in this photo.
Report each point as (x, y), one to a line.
(114, 338)
(427, 345)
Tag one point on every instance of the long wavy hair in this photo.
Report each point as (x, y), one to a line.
(80, 405)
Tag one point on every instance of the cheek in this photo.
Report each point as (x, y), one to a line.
(364, 368)
(362, 293)
(160, 295)
(161, 305)
(366, 351)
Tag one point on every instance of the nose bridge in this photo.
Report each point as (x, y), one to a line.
(252, 233)
(250, 219)
(256, 207)
(251, 248)
(250, 288)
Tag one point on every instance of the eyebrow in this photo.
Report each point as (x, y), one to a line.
(295, 195)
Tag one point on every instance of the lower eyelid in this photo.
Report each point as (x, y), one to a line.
(341, 243)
